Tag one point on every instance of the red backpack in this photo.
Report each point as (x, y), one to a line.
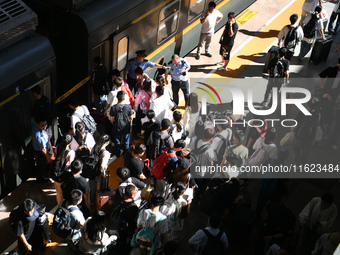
(160, 163)
(128, 92)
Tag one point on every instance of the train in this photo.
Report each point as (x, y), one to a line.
(52, 43)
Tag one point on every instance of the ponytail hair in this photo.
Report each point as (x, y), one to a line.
(178, 117)
(178, 189)
(137, 149)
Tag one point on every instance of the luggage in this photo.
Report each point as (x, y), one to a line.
(104, 198)
(272, 53)
(321, 50)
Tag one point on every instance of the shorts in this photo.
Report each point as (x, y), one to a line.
(225, 53)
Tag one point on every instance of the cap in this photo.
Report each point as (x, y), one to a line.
(208, 124)
(141, 53)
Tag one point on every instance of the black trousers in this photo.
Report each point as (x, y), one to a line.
(184, 86)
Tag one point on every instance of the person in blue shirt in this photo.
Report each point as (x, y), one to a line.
(42, 147)
(179, 68)
(131, 66)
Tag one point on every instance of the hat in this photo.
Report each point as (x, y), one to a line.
(208, 124)
(334, 239)
(141, 53)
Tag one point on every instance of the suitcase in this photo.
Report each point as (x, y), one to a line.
(321, 50)
(105, 198)
(272, 53)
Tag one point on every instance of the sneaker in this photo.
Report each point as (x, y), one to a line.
(222, 68)
(335, 147)
(208, 54)
(198, 56)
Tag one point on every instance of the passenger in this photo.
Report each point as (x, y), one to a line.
(200, 239)
(124, 87)
(222, 138)
(182, 210)
(121, 116)
(179, 68)
(297, 34)
(227, 40)
(66, 155)
(160, 81)
(161, 105)
(23, 222)
(103, 165)
(327, 244)
(82, 110)
(307, 8)
(267, 144)
(317, 218)
(191, 114)
(76, 181)
(237, 148)
(101, 85)
(133, 161)
(258, 129)
(278, 75)
(83, 142)
(330, 73)
(209, 19)
(141, 77)
(43, 149)
(123, 173)
(42, 107)
(142, 102)
(131, 66)
(127, 225)
(150, 125)
(76, 216)
(94, 239)
(177, 130)
(334, 16)
(308, 39)
(147, 218)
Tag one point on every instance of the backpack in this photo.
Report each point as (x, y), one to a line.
(171, 209)
(158, 144)
(121, 122)
(89, 122)
(82, 151)
(160, 163)
(119, 217)
(291, 38)
(309, 28)
(277, 70)
(196, 156)
(59, 166)
(91, 165)
(214, 244)
(14, 218)
(257, 158)
(62, 219)
(145, 238)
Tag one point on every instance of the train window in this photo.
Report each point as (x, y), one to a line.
(122, 55)
(168, 21)
(195, 9)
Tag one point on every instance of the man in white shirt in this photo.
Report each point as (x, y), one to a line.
(294, 31)
(81, 110)
(210, 18)
(308, 7)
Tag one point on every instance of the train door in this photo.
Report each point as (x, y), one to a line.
(103, 50)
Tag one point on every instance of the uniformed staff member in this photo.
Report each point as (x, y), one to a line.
(131, 66)
(179, 78)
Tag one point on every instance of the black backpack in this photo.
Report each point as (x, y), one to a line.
(89, 122)
(91, 165)
(309, 28)
(225, 144)
(62, 220)
(277, 70)
(59, 166)
(121, 122)
(291, 38)
(119, 217)
(82, 151)
(196, 156)
(158, 144)
(214, 244)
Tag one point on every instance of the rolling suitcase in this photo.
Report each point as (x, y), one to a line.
(321, 50)
(272, 53)
(104, 198)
